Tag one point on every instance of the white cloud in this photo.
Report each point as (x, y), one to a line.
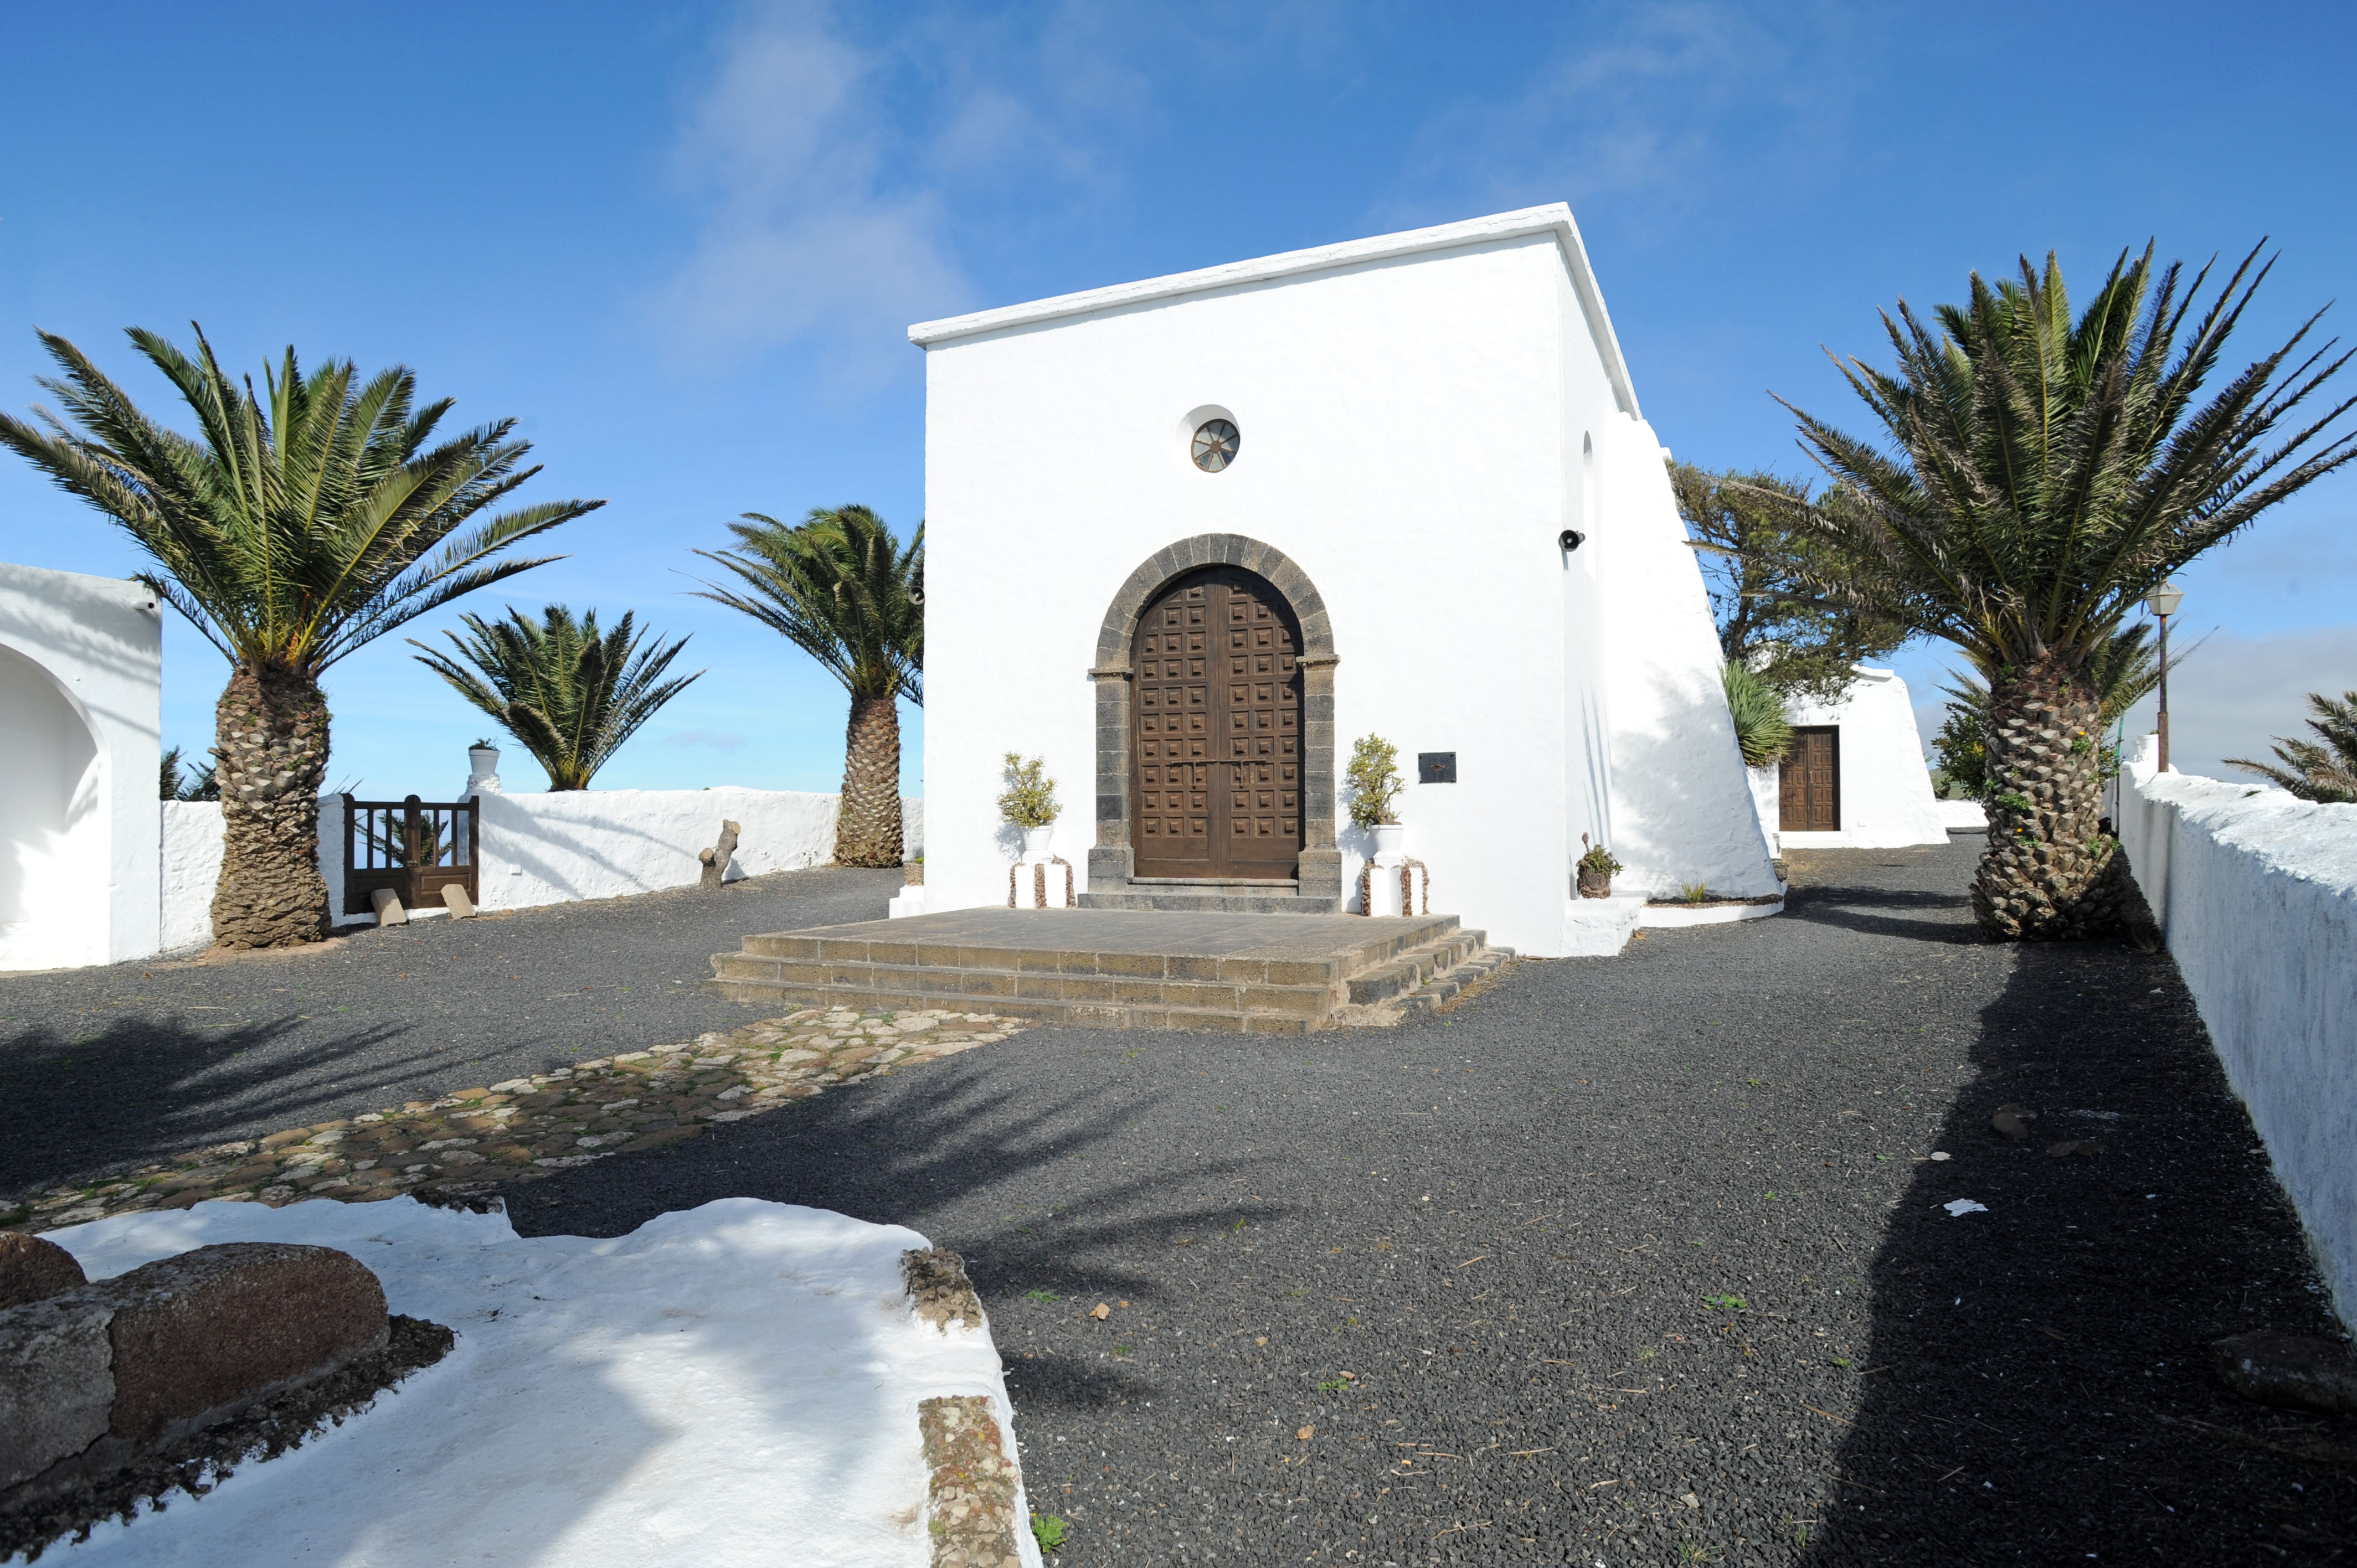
(812, 229)
(1675, 105)
(2237, 693)
(837, 178)
(2229, 698)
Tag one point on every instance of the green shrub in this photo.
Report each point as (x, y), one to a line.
(1030, 798)
(1761, 730)
(1374, 779)
(1961, 752)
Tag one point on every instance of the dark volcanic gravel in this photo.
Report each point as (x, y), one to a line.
(111, 1066)
(1638, 1260)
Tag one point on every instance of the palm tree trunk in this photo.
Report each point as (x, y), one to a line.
(271, 727)
(867, 826)
(2048, 871)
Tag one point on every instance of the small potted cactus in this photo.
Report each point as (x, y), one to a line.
(1596, 868)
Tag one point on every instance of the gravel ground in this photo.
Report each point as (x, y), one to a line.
(1639, 1260)
(100, 1068)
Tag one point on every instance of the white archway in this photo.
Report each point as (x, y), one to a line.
(53, 823)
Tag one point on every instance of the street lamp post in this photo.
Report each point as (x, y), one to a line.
(2163, 602)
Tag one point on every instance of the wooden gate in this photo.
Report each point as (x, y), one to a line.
(1217, 706)
(1809, 798)
(415, 847)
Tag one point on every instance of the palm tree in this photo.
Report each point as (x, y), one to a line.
(296, 527)
(2042, 475)
(841, 589)
(2123, 671)
(569, 696)
(2327, 772)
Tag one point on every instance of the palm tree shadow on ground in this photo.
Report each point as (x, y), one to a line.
(893, 1155)
(2039, 1385)
(84, 1106)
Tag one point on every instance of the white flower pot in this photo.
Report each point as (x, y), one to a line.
(1035, 842)
(1390, 837)
(483, 771)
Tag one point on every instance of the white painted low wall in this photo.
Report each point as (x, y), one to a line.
(1962, 816)
(191, 870)
(191, 861)
(550, 848)
(555, 847)
(2256, 892)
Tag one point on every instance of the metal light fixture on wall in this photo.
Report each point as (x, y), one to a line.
(2163, 602)
(1570, 539)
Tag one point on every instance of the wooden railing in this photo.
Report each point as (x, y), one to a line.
(415, 847)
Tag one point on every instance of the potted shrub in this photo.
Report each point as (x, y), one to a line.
(1374, 779)
(1029, 803)
(1596, 869)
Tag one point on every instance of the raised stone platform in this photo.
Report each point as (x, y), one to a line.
(1118, 969)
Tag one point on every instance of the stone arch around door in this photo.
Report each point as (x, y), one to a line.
(1113, 859)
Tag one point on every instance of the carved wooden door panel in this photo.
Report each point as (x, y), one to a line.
(1261, 709)
(1218, 742)
(1809, 797)
(1172, 831)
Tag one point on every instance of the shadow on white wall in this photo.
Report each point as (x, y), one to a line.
(53, 831)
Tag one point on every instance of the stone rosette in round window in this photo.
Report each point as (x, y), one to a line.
(1214, 447)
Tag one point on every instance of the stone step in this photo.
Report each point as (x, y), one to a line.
(1414, 967)
(1232, 898)
(1446, 987)
(1255, 973)
(1293, 995)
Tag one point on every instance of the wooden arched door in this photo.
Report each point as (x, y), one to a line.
(1218, 742)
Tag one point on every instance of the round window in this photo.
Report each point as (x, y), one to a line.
(1214, 446)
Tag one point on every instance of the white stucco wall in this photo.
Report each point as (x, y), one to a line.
(1886, 787)
(1682, 809)
(80, 700)
(191, 863)
(1767, 797)
(549, 848)
(553, 847)
(1414, 435)
(2256, 892)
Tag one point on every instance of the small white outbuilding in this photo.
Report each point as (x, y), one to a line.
(82, 665)
(1854, 777)
(1188, 539)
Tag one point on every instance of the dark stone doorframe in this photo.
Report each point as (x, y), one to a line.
(1113, 859)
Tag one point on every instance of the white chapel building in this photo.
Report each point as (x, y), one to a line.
(1188, 539)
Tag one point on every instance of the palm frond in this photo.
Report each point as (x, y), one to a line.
(569, 695)
(306, 517)
(2038, 473)
(2313, 771)
(838, 587)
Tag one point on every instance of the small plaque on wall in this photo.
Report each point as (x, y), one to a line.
(1435, 768)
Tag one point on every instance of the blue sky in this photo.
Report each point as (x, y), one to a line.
(682, 244)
